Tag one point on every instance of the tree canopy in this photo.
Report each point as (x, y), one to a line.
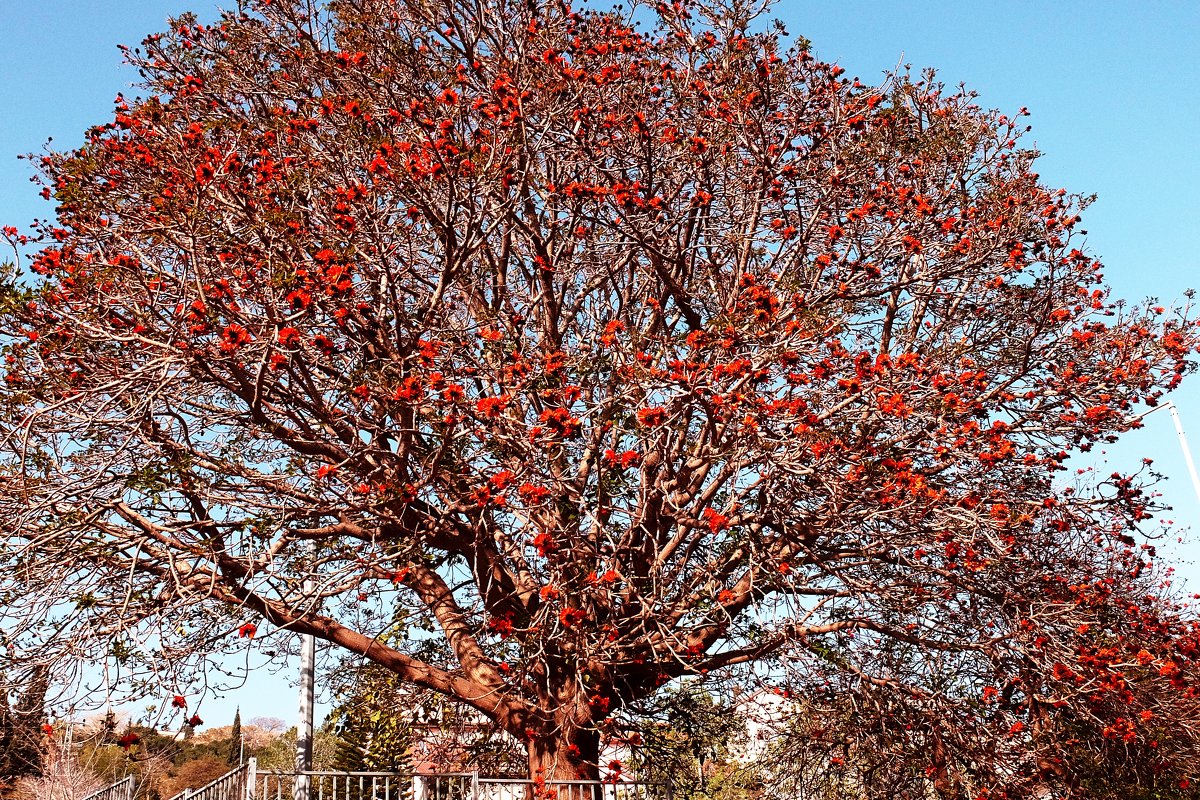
(607, 346)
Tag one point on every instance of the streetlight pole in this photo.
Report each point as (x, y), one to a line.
(304, 730)
(1183, 442)
(302, 787)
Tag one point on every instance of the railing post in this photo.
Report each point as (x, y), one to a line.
(251, 778)
(475, 785)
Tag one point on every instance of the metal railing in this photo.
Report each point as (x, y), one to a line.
(237, 784)
(121, 790)
(526, 789)
(330, 785)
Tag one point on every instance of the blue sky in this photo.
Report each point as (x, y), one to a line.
(1111, 86)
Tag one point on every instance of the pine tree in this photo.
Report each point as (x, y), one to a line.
(20, 730)
(6, 735)
(373, 734)
(235, 740)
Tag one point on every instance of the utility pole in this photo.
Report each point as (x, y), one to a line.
(1183, 442)
(302, 787)
(304, 730)
(1187, 451)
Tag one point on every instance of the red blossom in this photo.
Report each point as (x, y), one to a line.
(569, 617)
(716, 522)
(652, 417)
(324, 344)
(503, 626)
(627, 339)
(560, 422)
(545, 544)
(233, 337)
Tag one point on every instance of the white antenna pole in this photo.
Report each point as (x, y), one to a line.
(304, 733)
(1183, 442)
(302, 788)
(1187, 451)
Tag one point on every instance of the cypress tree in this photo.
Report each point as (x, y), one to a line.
(20, 729)
(235, 740)
(7, 770)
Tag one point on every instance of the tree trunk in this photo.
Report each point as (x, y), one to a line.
(562, 742)
(568, 751)
(565, 755)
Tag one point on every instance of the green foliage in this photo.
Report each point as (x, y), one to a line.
(234, 755)
(21, 750)
(381, 723)
(688, 740)
(373, 732)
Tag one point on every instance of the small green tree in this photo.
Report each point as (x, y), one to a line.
(688, 739)
(379, 723)
(235, 740)
(21, 749)
(371, 733)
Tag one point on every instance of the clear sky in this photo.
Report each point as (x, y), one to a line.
(1111, 86)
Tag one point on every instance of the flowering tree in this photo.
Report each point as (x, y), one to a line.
(608, 354)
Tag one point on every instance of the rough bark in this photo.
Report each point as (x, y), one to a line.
(564, 754)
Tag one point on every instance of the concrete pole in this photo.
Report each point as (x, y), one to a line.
(304, 729)
(1183, 442)
(302, 788)
(1187, 451)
